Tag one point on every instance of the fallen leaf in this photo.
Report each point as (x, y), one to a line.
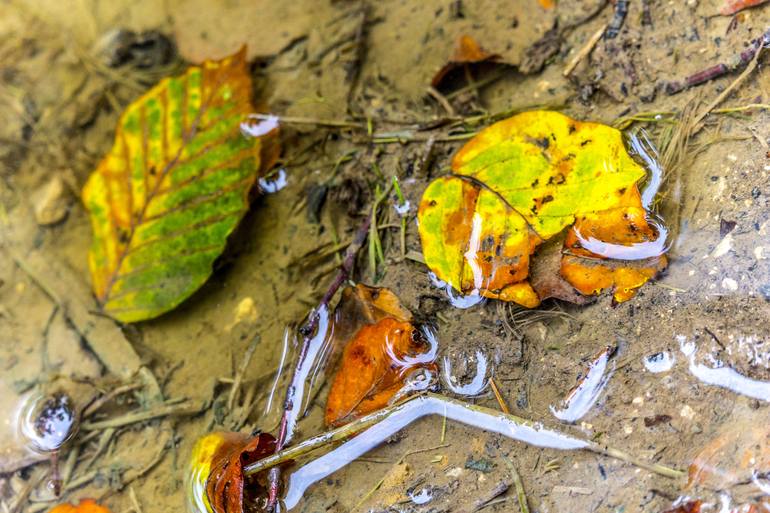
(732, 456)
(378, 357)
(547, 4)
(85, 506)
(217, 483)
(524, 181)
(687, 507)
(172, 189)
(732, 6)
(467, 51)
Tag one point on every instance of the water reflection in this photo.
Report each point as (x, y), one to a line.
(273, 183)
(422, 496)
(721, 375)
(325, 465)
(456, 299)
(478, 383)
(633, 251)
(582, 398)
(257, 125)
(659, 362)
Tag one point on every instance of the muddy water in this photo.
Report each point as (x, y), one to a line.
(691, 370)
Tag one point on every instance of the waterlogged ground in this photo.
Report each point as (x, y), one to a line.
(692, 363)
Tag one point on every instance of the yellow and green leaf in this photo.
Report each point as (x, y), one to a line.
(523, 181)
(172, 188)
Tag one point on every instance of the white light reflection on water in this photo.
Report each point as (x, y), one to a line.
(659, 362)
(476, 386)
(457, 300)
(273, 183)
(319, 468)
(423, 496)
(583, 397)
(307, 370)
(721, 376)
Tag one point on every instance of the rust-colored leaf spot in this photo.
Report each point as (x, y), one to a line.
(377, 359)
(217, 483)
(85, 506)
(541, 176)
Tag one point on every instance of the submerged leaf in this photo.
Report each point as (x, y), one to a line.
(378, 358)
(85, 506)
(523, 181)
(172, 189)
(216, 481)
(467, 51)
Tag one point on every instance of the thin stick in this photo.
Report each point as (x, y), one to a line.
(585, 50)
(236, 387)
(296, 120)
(358, 425)
(521, 495)
(441, 99)
(141, 416)
(98, 403)
(738, 81)
(285, 431)
(498, 396)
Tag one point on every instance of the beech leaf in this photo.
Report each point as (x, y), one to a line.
(173, 187)
(528, 179)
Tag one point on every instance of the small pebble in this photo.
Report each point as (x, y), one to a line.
(730, 284)
(51, 202)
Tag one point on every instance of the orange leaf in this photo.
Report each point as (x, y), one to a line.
(547, 4)
(85, 506)
(467, 51)
(377, 358)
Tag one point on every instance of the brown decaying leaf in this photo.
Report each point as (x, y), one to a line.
(687, 507)
(732, 456)
(373, 369)
(467, 51)
(225, 484)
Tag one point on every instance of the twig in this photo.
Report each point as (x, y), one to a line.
(738, 81)
(618, 18)
(498, 396)
(98, 403)
(141, 416)
(134, 500)
(236, 387)
(521, 496)
(441, 99)
(430, 404)
(288, 420)
(585, 50)
(718, 70)
(297, 120)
